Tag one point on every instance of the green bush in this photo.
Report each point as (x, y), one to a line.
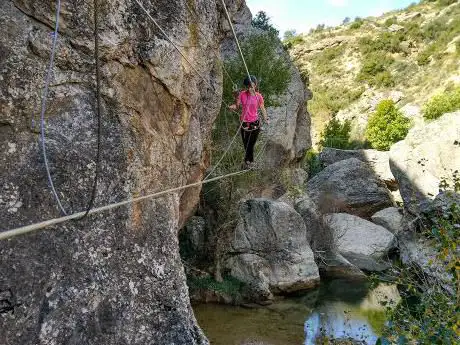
(384, 79)
(444, 3)
(262, 21)
(428, 313)
(330, 100)
(323, 61)
(386, 126)
(312, 163)
(375, 70)
(442, 104)
(265, 62)
(291, 41)
(385, 42)
(423, 58)
(336, 134)
(390, 21)
(357, 23)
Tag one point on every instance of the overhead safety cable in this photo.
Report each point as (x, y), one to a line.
(236, 39)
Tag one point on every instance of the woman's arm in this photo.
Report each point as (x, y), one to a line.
(235, 106)
(262, 108)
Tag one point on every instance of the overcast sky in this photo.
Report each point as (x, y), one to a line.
(302, 15)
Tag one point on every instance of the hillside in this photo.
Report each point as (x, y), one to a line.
(407, 56)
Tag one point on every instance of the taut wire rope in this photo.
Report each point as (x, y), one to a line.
(37, 226)
(236, 39)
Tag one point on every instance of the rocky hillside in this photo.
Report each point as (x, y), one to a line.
(407, 56)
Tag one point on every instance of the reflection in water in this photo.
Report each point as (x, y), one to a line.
(337, 309)
(359, 319)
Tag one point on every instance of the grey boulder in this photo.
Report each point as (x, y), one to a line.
(349, 186)
(270, 251)
(390, 218)
(378, 161)
(429, 154)
(363, 243)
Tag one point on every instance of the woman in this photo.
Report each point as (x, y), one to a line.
(250, 100)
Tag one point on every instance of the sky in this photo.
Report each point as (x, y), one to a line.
(302, 15)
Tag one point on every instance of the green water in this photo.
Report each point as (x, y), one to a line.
(340, 309)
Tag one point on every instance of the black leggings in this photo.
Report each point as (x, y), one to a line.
(249, 141)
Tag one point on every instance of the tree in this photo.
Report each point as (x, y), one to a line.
(290, 34)
(386, 126)
(336, 134)
(262, 21)
(346, 20)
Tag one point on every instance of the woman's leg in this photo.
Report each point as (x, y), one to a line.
(245, 137)
(251, 142)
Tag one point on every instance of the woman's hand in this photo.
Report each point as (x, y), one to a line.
(232, 107)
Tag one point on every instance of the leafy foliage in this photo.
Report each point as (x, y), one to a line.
(385, 42)
(262, 21)
(336, 134)
(291, 38)
(266, 61)
(442, 104)
(386, 126)
(312, 163)
(375, 70)
(358, 22)
(328, 101)
(390, 21)
(230, 285)
(429, 312)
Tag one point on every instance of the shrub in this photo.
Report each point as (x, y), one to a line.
(423, 58)
(292, 41)
(262, 21)
(374, 70)
(386, 126)
(312, 163)
(323, 60)
(357, 23)
(444, 3)
(336, 134)
(265, 61)
(384, 79)
(442, 104)
(390, 21)
(433, 318)
(330, 100)
(385, 42)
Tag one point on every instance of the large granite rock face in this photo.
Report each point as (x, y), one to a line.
(378, 161)
(270, 251)
(116, 277)
(429, 154)
(349, 186)
(288, 136)
(363, 243)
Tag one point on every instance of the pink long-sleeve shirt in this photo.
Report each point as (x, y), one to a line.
(250, 104)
